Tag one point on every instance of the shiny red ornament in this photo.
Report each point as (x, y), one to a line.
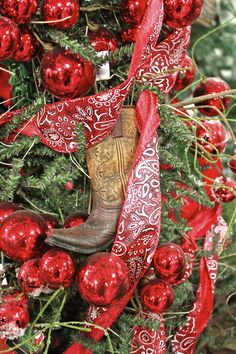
(14, 319)
(9, 38)
(211, 86)
(51, 222)
(28, 45)
(19, 11)
(75, 219)
(54, 10)
(181, 13)
(185, 76)
(15, 295)
(102, 279)
(103, 40)
(22, 235)
(169, 262)
(29, 277)
(133, 11)
(57, 268)
(212, 136)
(7, 208)
(5, 86)
(157, 296)
(232, 164)
(129, 35)
(224, 189)
(66, 75)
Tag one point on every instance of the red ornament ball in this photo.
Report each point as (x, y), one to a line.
(7, 208)
(133, 11)
(51, 222)
(9, 38)
(212, 136)
(102, 279)
(103, 40)
(157, 296)
(186, 76)
(221, 191)
(15, 295)
(29, 277)
(181, 13)
(75, 219)
(69, 186)
(66, 75)
(28, 45)
(5, 86)
(232, 164)
(19, 11)
(211, 86)
(53, 10)
(22, 235)
(14, 319)
(129, 35)
(57, 268)
(169, 262)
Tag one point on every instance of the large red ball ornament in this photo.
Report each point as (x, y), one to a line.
(103, 40)
(75, 219)
(185, 76)
(102, 279)
(51, 222)
(22, 235)
(54, 10)
(29, 277)
(9, 38)
(66, 75)
(169, 262)
(19, 11)
(14, 319)
(224, 189)
(7, 208)
(133, 11)
(28, 45)
(57, 268)
(181, 13)
(232, 164)
(211, 86)
(157, 296)
(212, 136)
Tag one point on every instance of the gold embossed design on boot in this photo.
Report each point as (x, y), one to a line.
(109, 164)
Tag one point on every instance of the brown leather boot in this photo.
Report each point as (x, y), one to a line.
(109, 164)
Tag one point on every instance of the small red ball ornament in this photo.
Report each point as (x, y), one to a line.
(7, 208)
(51, 222)
(57, 268)
(232, 164)
(66, 75)
(224, 189)
(185, 76)
(9, 38)
(53, 10)
(29, 277)
(181, 13)
(103, 40)
(169, 262)
(28, 45)
(19, 11)
(212, 136)
(75, 219)
(69, 185)
(133, 11)
(211, 86)
(14, 319)
(157, 296)
(102, 279)
(22, 235)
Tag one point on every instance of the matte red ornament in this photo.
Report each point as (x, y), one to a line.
(221, 191)
(103, 40)
(9, 38)
(7, 208)
(129, 35)
(185, 76)
(28, 45)
(69, 186)
(157, 296)
(66, 75)
(57, 268)
(14, 319)
(181, 13)
(19, 11)
(232, 164)
(212, 136)
(29, 277)
(51, 222)
(102, 279)
(75, 219)
(133, 11)
(54, 10)
(211, 86)
(5, 86)
(169, 262)
(22, 235)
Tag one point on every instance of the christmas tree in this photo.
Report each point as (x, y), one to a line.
(117, 203)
